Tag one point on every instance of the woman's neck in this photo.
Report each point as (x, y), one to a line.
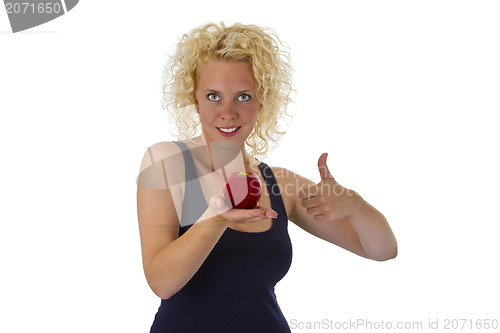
(249, 162)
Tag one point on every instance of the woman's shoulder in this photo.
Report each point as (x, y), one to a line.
(161, 160)
(159, 151)
(288, 179)
(282, 174)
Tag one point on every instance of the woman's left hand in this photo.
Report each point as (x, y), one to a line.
(328, 200)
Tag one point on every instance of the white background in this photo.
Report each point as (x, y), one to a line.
(401, 94)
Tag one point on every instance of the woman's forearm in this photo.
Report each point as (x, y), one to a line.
(374, 232)
(175, 264)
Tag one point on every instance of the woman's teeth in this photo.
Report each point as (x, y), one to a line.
(228, 130)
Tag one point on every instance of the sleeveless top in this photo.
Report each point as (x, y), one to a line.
(233, 290)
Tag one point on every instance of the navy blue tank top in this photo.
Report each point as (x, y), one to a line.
(233, 290)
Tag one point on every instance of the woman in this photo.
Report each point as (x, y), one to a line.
(213, 266)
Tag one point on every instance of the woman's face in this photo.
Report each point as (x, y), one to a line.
(226, 98)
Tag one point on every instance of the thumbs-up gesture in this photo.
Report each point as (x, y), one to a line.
(328, 200)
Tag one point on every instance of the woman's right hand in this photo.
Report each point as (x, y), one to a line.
(236, 215)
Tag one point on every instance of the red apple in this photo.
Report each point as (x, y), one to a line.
(242, 190)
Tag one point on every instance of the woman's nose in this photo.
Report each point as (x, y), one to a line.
(227, 111)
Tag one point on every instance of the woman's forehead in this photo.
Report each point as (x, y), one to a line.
(227, 73)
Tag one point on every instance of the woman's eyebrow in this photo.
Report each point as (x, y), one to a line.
(212, 90)
(238, 92)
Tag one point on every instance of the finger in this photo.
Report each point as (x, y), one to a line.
(323, 168)
(269, 212)
(259, 213)
(244, 215)
(253, 219)
(253, 215)
(310, 202)
(315, 210)
(323, 217)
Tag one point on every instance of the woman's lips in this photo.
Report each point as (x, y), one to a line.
(228, 131)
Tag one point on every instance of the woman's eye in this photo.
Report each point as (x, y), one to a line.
(213, 97)
(244, 97)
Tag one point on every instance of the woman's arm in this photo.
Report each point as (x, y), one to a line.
(338, 215)
(170, 261)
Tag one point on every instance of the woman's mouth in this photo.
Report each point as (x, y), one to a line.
(228, 131)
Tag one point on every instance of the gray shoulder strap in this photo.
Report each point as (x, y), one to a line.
(194, 203)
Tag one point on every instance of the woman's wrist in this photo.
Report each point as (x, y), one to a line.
(216, 221)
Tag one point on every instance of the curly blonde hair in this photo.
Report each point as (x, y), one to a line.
(257, 46)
